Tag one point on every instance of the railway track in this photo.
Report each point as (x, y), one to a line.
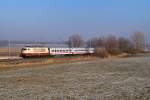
(37, 60)
(22, 60)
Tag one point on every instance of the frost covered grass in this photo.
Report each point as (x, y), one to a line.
(104, 79)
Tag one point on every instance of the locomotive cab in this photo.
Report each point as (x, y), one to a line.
(34, 52)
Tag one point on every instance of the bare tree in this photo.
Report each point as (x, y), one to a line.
(96, 42)
(75, 41)
(112, 44)
(124, 44)
(93, 42)
(138, 40)
(101, 42)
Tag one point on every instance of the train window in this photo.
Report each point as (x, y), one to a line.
(57, 51)
(60, 50)
(24, 49)
(63, 50)
(53, 51)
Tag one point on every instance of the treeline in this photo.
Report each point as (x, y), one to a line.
(111, 44)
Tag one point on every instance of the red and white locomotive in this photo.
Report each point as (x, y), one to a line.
(44, 51)
(34, 51)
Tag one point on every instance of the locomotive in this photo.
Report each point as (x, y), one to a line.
(45, 51)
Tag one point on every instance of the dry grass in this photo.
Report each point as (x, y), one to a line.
(101, 52)
(13, 51)
(45, 61)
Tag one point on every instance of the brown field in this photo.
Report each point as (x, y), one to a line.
(29, 62)
(13, 51)
(99, 79)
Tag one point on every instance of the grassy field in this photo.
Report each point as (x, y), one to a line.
(104, 79)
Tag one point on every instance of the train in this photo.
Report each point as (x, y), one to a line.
(45, 51)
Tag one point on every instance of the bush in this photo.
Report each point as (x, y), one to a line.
(135, 51)
(114, 51)
(101, 52)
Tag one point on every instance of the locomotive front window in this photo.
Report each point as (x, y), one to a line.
(24, 49)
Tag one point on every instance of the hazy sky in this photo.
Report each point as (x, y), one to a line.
(57, 19)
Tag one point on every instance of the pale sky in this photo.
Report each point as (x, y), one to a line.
(57, 19)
